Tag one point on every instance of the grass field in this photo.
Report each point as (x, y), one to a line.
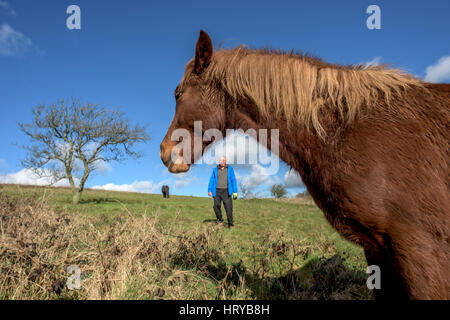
(142, 246)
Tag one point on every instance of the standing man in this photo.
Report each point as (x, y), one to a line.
(222, 186)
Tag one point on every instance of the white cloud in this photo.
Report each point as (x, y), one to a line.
(28, 177)
(374, 62)
(102, 166)
(258, 177)
(438, 72)
(292, 179)
(241, 150)
(181, 183)
(5, 6)
(12, 42)
(136, 186)
(183, 179)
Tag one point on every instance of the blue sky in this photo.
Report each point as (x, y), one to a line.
(131, 54)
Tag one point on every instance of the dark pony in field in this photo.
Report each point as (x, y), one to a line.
(165, 191)
(370, 143)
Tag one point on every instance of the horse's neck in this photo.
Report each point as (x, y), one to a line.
(299, 146)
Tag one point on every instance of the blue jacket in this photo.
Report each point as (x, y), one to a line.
(232, 187)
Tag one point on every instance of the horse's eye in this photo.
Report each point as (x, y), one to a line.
(178, 95)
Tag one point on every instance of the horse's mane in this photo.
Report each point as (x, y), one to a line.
(297, 86)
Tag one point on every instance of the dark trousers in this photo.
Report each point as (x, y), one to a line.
(222, 195)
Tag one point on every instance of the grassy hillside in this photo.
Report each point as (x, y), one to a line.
(142, 246)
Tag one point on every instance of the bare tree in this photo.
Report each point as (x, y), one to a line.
(278, 190)
(246, 191)
(70, 141)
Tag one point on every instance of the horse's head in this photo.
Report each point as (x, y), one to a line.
(196, 100)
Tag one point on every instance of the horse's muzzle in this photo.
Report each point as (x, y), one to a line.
(175, 164)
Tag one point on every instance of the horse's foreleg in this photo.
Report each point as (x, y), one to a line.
(392, 285)
(424, 265)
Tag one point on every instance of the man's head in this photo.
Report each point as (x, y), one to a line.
(222, 161)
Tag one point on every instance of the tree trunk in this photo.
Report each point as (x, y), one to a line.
(76, 196)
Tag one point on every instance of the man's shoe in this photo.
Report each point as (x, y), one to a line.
(219, 221)
(230, 226)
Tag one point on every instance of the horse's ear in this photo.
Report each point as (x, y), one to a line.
(203, 52)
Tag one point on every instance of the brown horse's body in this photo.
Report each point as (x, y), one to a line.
(382, 180)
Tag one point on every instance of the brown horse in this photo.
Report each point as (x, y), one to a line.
(165, 191)
(370, 143)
